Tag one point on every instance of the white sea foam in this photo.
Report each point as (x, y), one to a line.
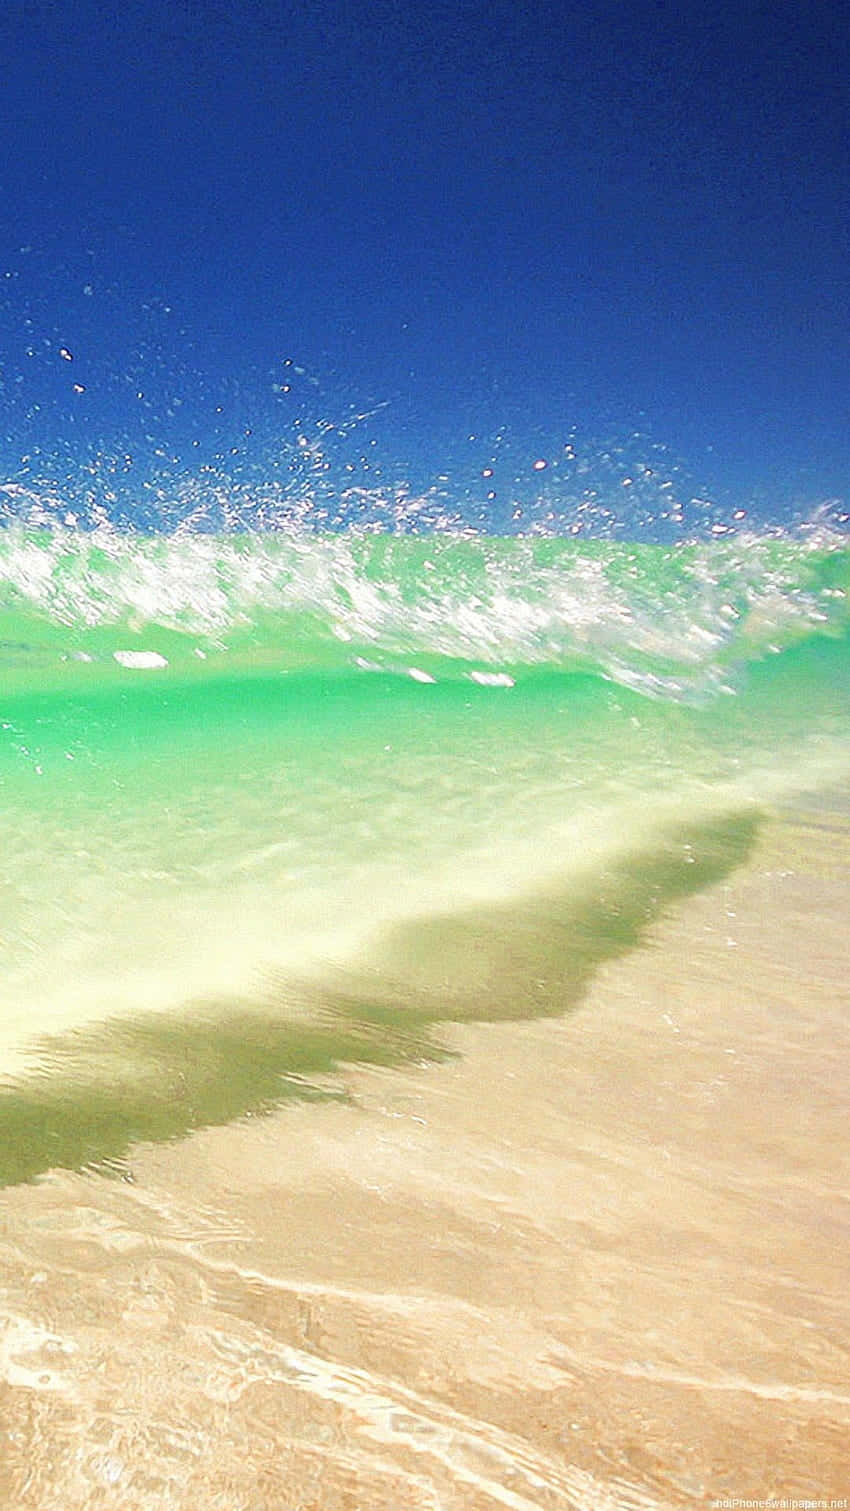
(140, 660)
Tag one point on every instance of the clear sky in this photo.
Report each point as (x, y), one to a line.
(618, 230)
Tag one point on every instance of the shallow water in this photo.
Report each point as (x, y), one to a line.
(588, 1261)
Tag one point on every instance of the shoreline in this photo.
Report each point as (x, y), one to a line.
(592, 1261)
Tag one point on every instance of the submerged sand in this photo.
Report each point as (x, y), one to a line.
(591, 1262)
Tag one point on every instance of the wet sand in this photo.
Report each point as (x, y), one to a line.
(591, 1262)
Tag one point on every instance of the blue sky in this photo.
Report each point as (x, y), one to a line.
(622, 228)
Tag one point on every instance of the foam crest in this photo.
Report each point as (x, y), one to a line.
(665, 620)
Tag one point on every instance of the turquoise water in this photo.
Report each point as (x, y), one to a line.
(273, 802)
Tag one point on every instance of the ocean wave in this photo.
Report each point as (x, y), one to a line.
(667, 621)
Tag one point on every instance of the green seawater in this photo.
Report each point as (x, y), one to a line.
(270, 804)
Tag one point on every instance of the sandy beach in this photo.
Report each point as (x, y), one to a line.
(589, 1262)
